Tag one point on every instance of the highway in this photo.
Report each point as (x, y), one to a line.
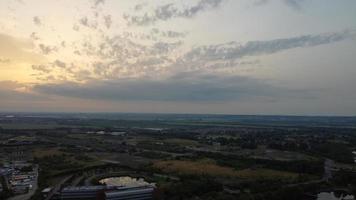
(58, 187)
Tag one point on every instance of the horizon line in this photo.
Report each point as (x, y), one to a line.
(173, 113)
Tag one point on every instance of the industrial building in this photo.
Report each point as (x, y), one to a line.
(84, 192)
(107, 193)
(136, 193)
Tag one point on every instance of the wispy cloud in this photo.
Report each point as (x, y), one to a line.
(120, 57)
(4, 60)
(37, 21)
(295, 4)
(47, 49)
(233, 50)
(260, 2)
(107, 21)
(42, 68)
(97, 2)
(170, 11)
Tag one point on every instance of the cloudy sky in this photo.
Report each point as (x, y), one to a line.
(295, 57)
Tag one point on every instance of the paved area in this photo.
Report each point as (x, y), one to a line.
(31, 192)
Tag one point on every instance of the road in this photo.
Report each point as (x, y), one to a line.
(328, 166)
(76, 181)
(58, 187)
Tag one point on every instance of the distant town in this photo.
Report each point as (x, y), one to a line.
(133, 156)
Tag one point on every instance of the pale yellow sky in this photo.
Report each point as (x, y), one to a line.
(17, 57)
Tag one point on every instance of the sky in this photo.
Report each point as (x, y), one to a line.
(274, 57)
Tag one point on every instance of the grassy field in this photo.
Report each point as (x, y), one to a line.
(262, 152)
(208, 167)
(175, 141)
(261, 173)
(181, 142)
(196, 168)
(42, 152)
(20, 126)
(81, 160)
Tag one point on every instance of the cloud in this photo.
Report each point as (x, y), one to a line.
(121, 56)
(10, 91)
(168, 34)
(37, 21)
(164, 47)
(117, 56)
(46, 49)
(50, 67)
(20, 1)
(10, 85)
(139, 7)
(59, 63)
(180, 87)
(5, 60)
(295, 4)
(233, 50)
(170, 11)
(107, 21)
(97, 2)
(42, 68)
(174, 34)
(82, 75)
(76, 27)
(84, 21)
(34, 36)
(260, 2)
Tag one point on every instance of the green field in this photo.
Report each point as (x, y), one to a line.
(210, 168)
